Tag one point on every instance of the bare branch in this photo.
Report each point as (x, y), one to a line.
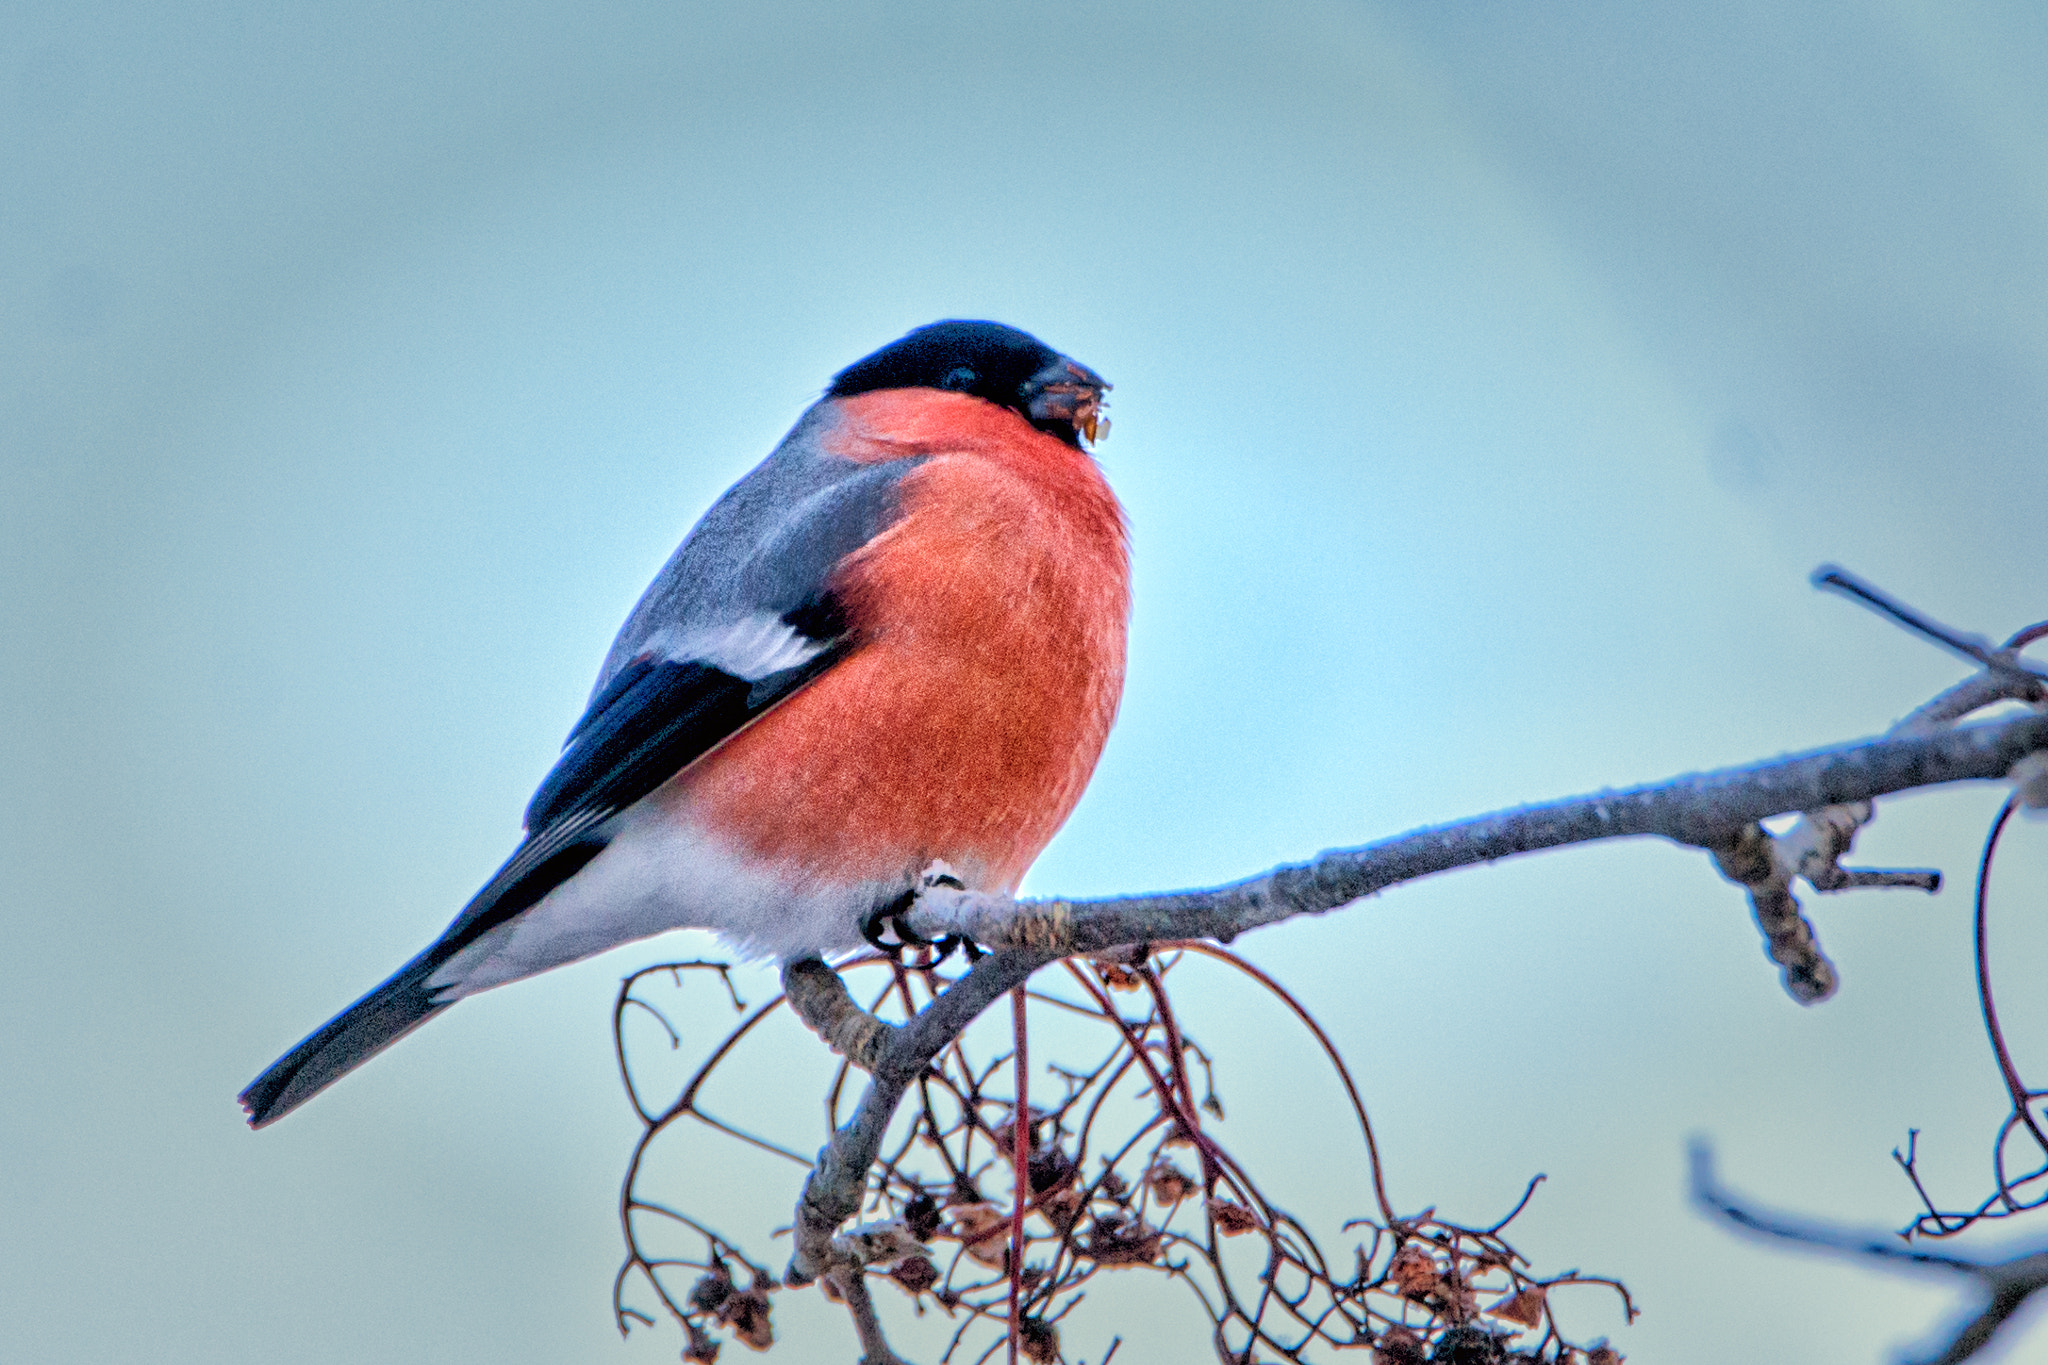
(2007, 1283)
(1972, 647)
(1765, 864)
(1720, 812)
(1764, 867)
(2015, 1194)
(874, 1347)
(1703, 810)
(1707, 810)
(821, 1000)
(1089, 1200)
(832, 1192)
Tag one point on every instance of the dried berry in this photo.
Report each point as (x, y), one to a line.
(921, 1216)
(1038, 1341)
(915, 1274)
(1468, 1346)
(1399, 1346)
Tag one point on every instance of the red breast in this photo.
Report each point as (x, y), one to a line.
(993, 616)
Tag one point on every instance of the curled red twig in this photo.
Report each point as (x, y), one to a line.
(1008, 1212)
(2011, 1194)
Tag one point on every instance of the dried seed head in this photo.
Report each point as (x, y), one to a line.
(1414, 1272)
(1168, 1182)
(701, 1350)
(1112, 1241)
(1468, 1346)
(1120, 978)
(984, 1229)
(1052, 1169)
(747, 1314)
(1456, 1299)
(1399, 1346)
(1062, 1208)
(1232, 1219)
(712, 1288)
(915, 1274)
(1004, 1131)
(1525, 1307)
(1038, 1341)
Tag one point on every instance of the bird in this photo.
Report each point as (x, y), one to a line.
(890, 654)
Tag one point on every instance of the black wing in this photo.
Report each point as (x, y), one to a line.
(649, 722)
(765, 553)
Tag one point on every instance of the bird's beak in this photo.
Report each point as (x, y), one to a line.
(1069, 391)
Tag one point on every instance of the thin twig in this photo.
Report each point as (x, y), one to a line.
(2015, 1088)
(874, 1347)
(2007, 1283)
(1020, 1167)
(1973, 647)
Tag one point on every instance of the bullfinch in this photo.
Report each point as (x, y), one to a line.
(895, 646)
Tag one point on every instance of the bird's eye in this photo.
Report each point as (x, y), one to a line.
(959, 379)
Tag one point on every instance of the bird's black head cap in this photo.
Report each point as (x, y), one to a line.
(988, 360)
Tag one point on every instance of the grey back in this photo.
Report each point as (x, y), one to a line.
(767, 546)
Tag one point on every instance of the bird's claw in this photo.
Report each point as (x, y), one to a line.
(893, 917)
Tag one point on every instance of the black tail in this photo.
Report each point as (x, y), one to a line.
(346, 1041)
(406, 1001)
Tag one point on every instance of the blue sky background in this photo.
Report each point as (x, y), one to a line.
(1489, 378)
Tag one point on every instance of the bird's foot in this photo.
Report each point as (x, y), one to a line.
(892, 920)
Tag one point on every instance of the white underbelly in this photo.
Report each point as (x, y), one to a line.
(658, 874)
